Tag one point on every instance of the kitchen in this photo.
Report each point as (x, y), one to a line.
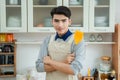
(28, 43)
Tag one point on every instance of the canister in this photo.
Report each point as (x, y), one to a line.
(105, 64)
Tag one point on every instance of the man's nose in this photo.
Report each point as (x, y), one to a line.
(60, 23)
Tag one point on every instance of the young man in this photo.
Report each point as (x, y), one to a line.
(59, 56)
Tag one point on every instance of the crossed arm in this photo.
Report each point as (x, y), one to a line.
(63, 66)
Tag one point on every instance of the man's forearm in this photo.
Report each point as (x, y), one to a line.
(49, 68)
(63, 67)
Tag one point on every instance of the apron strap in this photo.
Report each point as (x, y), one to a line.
(52, 38)
(71, 39)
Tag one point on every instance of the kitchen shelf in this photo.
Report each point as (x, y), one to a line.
(7, 76)
(31, 42)
(44, 6)
(6, 42)
(6, 53)
(100, 42)
(40, 42)
(13, 6)
(75, 6)
(8, 59)
(102, 6)
(7, 65)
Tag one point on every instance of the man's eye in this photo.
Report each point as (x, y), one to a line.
(63, 20)
(56, 20)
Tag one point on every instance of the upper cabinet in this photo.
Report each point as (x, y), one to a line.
(102, 15)
(13, 16)
(80, 10)
(39, 17)
(87, 15)
(34, 15)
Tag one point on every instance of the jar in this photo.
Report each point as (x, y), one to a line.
(92, 38)
(105, 64)
(3, 37)
(9, 37)
(99, 38)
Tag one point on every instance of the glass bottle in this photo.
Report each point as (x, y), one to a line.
(105, 64)
(92, 38)
(99, 38)
(112, 76)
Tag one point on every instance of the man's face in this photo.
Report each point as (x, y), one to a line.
(61, 23)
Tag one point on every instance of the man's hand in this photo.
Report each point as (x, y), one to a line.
(52, 65)
(69, 58)
(46, 59)
(48, 68)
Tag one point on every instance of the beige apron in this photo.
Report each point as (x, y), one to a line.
(58, 51)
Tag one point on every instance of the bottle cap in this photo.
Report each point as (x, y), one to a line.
(107, 58)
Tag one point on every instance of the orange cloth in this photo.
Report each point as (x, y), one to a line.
(78, 36)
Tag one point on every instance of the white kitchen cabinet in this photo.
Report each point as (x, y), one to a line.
(39, 15)
(34, 15)
(13, 16)
(93, 15)
(79, 14)
(87, 15)
(101, 15)
(39, 18)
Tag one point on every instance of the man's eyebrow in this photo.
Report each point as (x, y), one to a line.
(60, 20)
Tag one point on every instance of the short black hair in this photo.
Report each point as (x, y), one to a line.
(61, 10)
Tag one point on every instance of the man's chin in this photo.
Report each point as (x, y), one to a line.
(61, 33)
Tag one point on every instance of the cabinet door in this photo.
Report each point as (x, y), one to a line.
(101, 17)
(79, 9)
(39, 18)
(14, 15)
